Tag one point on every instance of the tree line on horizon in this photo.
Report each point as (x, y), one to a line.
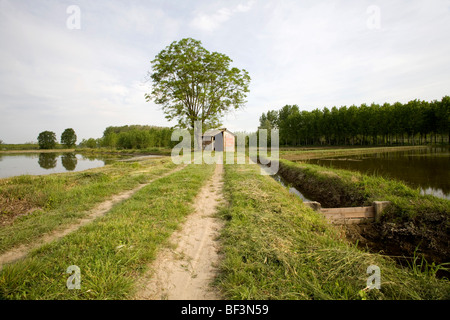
(132, 137)
(400, 123)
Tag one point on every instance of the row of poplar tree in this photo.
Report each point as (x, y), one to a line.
(399, 123)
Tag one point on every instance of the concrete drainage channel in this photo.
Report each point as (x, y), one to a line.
(351, 215)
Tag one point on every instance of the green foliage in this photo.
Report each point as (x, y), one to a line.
(415, 121)
(137, 137)
(193, 84)
(69, 138)
(47, 140)
(89, 143)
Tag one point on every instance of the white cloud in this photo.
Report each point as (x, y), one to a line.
(309, 53)
(245, 7)
(211, 21)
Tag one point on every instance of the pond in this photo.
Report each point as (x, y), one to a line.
(14, 164)
(427, 168)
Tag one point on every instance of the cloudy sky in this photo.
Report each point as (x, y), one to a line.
(83, 64)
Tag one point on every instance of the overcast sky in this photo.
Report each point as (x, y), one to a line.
(58, 71)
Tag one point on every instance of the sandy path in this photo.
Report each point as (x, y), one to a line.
(21, 252)
(185, 270)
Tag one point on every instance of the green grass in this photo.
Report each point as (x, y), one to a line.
(29, 146)
(60, 199)
(319, 152)
(277, 248)
(274, 247)
(25, 146)
(112, 251)
(363, 189)
(411, 221)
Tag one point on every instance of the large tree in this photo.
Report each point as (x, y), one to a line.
(47, 140)
(192, 84)
(69, 138)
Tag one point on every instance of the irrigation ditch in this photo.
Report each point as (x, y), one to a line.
(410, 230)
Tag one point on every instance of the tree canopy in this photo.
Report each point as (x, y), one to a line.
(69, 138)
(136, 137)
(192, 84)
(47, 140)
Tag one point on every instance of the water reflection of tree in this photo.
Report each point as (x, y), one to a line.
(47, 160)
(69, 161)
(90, 157)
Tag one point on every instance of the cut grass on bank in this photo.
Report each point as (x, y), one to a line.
(277, 248)
(412, 220)
(316, 153)
(31, 206)
(113, 250)
(356, 189)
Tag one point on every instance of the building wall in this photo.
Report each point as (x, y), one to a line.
(223, 141)
(228, 141)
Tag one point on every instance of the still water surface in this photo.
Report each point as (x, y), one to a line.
(427, 169)
(14, 164)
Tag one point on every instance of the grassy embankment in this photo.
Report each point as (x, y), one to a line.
(32, 147)
(113, 250)
(322, 152)
(149, 151)
(23, 146)
(411, 221)
(277, 248)
(33, 205)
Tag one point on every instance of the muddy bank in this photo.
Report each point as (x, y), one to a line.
(426, 233)
(411, 223)
(403, 242)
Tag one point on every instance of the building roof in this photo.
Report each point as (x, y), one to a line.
(212, 133)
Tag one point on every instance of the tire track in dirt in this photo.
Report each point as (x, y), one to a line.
(101, 209)
(186, 272)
